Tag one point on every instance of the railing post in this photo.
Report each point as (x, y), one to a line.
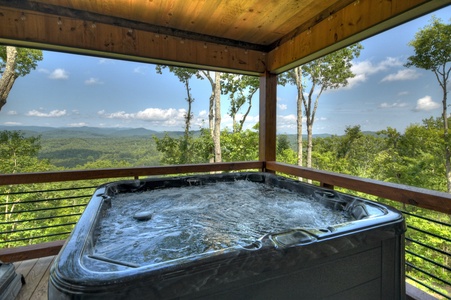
(326, 185)
(267, 115)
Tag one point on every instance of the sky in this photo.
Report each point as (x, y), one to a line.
(68, 90)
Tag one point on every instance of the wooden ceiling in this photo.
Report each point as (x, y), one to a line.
(250, 36)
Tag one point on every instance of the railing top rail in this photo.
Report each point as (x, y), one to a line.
(58, 176)
(429, 199)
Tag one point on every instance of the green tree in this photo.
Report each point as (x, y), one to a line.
(240, 145)
(241, 89)
(312, 79)
(184, 75)
(16, 151)
(432, 46)
(284, 152)
(214, 113)
(19, 155)
(15, 62)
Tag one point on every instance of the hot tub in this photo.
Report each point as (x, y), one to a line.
(230, 236)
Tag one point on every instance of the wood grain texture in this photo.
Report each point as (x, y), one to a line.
(31, 251)
(248, 37)
(35, 280)
(36, 274)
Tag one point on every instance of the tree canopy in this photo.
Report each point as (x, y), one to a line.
(432, 46)
(14, 63)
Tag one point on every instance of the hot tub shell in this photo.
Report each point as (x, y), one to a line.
(362, 259)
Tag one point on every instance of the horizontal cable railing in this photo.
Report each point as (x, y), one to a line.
(428, 251)
(30, 214)
(428, 258)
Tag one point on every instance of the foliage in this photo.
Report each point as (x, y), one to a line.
(79, 151)
(432, 46)
(241, 89)
(27, 60)
(331, 71)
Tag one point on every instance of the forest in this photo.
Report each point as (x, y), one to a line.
(410, 158)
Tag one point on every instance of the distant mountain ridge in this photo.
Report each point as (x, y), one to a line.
(86, 132)
(105, 132)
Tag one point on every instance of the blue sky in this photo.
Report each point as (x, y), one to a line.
(72, 90)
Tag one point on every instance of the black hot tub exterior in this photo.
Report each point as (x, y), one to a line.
(363, 259)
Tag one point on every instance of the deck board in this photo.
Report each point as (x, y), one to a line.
(36, 274)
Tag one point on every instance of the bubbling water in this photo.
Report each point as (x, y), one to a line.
(195, 219)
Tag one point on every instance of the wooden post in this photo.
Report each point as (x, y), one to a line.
(268, 110)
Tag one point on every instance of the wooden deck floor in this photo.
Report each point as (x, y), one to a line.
(36, 273)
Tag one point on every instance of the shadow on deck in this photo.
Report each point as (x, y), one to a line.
(36, 273)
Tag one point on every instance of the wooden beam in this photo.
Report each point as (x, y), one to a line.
(61, 33)
(58, 176)
(31, 252)
(353, 23)
(429, 199)
(87, 16)
(267, 117)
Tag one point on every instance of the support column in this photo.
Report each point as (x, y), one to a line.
(268, 112)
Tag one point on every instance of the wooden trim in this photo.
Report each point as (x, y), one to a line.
(31, 252)
(268, 111)
(345, 27)
(429, 199)
(58, 176)
(66, 12)
(62, 33)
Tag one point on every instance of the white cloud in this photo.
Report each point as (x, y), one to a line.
(140, 70)
(42, 70)
(52, 114)
(403, 93)
(12, 123)
(287, 122)
(227, 122)
(362, 70)
(59, 74)
(105, 61)
(12, 113)
(426, 103)
(162, 117)
(405, 74)
(93, 81)
(282, 106)
(81, 124)
(392, 105)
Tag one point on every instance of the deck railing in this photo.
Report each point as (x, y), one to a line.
(31, 214)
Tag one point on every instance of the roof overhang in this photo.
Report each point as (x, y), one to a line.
(248, 37)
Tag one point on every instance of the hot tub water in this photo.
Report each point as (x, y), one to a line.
(197, 219)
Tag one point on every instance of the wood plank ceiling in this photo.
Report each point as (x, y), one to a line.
(249, 37)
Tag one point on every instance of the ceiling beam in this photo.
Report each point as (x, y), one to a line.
(353, 23)
(66, 12)
(61, 33)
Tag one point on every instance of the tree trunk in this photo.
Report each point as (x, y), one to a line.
(298, 77)
(211, 110)
(188, 117)
(446, 134)
(9, 76)
(217, 125)
(309, 142)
